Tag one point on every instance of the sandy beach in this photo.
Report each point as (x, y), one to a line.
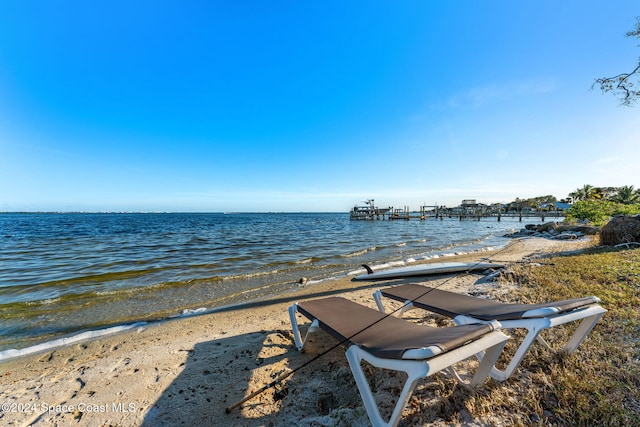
(186, 371)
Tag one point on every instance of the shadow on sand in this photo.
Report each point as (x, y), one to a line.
(221, 372)
(216, 374)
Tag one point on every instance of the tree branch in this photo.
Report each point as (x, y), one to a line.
(620, 84)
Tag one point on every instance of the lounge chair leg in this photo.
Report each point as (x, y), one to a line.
(534, 329)
(417, 370)
(545, 344)
(414, 370)
(377, 296)
(408, 304)
(533, 332)
(487, 364)
(581, 332)
(578, 336)
(487, 360)
(499, 375)
(296, 330)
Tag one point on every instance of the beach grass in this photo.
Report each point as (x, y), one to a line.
(600, 383)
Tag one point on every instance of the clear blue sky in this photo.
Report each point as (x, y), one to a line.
(309, 105)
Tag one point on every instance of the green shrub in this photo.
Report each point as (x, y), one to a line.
(598, 212)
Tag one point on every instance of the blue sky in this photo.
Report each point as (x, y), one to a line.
(309, 106)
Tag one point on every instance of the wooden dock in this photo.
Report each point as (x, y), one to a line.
(467, 211)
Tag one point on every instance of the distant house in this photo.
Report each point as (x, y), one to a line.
(497, 207)
(472, 207)
(555, 206)
(562, 206)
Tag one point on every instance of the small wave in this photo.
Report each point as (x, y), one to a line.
(326, 279)
(116, 291)
(381, 266)
(250, 275)
(454, 253)
(193, 312)
(305, 261)
(357, 253)
(43, 302)
(60, 342)
(395, 263)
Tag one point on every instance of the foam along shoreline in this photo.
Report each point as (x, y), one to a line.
(188, 369)
(65, 341)
(98, 333)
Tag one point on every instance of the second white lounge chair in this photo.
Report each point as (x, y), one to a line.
(535, 318)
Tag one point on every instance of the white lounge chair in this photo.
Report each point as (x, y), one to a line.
(535, 318)
(390, 343)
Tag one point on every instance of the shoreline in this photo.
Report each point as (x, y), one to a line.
(8, 353)
(189, 369)
(85, 273)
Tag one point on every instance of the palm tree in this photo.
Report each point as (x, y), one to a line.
(594, 192)
(627, 195)
(575, 196)
(587, 192)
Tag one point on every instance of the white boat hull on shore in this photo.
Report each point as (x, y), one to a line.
(427, 269)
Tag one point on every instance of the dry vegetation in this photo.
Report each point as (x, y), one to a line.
(600, 383)
(597, 385)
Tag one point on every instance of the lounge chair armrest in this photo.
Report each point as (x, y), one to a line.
(467, 320)
(422, 353)
(551, 311)
(541, 312)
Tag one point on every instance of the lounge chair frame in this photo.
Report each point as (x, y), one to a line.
(534, 321)
(417, 363)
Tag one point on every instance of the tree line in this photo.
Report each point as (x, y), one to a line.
(626, 194)
(598, 204)
(593, 204)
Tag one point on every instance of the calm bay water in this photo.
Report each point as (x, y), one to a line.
(65, 273)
